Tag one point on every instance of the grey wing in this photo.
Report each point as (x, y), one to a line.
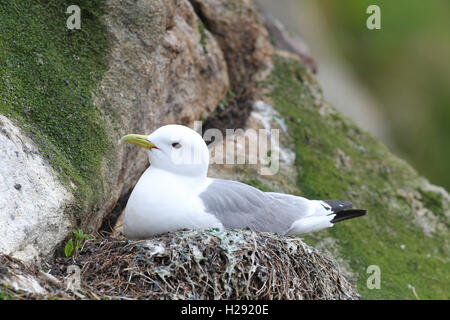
(305, 207)
(331, 206)
(238, 205)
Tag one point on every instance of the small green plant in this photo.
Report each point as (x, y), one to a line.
(257, 184)
(76, 244)
(203, 36)
(5, 295)
(226, 100)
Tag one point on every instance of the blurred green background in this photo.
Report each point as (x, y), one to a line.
(406, 66)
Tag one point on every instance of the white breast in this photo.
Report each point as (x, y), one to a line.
(163, 202)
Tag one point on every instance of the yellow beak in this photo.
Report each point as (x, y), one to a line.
(139, 140)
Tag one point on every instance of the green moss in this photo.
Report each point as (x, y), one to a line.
(433, 202)
(47, 74)
(201, 30)
(257, 184)
(376, 56)
(337, 160)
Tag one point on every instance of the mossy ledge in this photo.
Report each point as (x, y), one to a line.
(47, 75)
(337, 160)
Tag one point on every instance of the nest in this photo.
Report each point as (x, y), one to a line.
(209, 264)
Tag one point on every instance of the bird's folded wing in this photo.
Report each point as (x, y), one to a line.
(238, 205)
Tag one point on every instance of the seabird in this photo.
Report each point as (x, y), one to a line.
(175, 193)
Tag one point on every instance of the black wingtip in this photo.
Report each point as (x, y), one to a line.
(338, 205)
(348, 214)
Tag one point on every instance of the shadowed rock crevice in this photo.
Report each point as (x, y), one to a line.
(110, 220)
(244, 41)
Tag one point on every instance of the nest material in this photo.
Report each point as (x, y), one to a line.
(209, 264)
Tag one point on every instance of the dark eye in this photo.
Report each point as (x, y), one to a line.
(176, 145)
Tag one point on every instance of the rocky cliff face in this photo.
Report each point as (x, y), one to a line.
(137, 65)
(29, 225)
(157, 64)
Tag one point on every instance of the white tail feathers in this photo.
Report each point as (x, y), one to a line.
(310, 224)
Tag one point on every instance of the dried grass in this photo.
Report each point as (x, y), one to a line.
(209, 264)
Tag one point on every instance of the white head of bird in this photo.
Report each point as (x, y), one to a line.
(174, 148)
